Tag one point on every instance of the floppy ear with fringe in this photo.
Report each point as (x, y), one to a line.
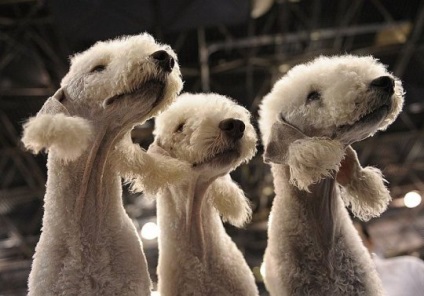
(55, 130)
(362, 189)
(310, 159)
(229, 199)
(53, 104)
(149, 171)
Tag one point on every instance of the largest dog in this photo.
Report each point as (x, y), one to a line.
(308, 122)
(89, 245)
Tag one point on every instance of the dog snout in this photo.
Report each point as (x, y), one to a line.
(384, 83)
(163, 60)
(233, 128)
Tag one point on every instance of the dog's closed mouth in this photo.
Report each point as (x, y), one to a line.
(375, 115)
(223, 157)
(371, 118)
(156, 85)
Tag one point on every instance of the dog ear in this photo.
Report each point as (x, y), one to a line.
(229, 199)
(281, 137)
(156, 148)
(312, 159)
(53, 105)
(54, 129)
(362, 189)
(309, 158)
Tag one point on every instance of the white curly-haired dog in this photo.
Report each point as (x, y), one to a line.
(89, 245)
(308, 122)
(196, 256)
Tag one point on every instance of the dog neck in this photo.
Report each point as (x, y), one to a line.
(108, 133)
(318, 207)
(87, 191)
(194, 222)
(193, 213)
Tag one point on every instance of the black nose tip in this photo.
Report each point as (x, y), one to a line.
(233, 128)
(385, 83)
(163, 60)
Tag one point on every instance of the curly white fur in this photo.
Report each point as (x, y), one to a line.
(196, 256)
(366, 194)
(364, 190)
(307, 122)
(131, 160)
(88, 244)
(229, 199)
(343, 83)
(67, 137)
(203, 139)
(313, 159)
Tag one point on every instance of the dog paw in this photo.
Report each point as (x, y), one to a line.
(230, 201)
(66, 136)
(312, 159)
(366, 193)
(164, 171)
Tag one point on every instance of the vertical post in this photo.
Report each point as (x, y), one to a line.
(203, 59)
(410, 46)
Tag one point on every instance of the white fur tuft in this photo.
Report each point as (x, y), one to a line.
(159, 171)
(67, 136)
(313, 159)
(366, 193)
(229, 199)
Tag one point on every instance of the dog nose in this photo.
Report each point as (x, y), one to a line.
(163, 60)
(385, 83)
(233, 128)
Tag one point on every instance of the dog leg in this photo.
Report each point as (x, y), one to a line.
(310, 158)
(230, 201)
(363, 189)
(148, 171)
(55, 130)
(66, 136)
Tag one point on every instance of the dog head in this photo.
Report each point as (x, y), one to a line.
(317, 110)
(122, 81)
(346, 98)
(214, 135)
(112, 86)
(209, 131)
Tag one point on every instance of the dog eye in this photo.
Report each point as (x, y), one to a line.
(180, 128)
(98, 68)
(313, 96)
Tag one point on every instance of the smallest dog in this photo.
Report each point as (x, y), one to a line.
(197, 257)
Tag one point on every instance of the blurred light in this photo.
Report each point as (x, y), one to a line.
(396, 34)
(315, 36)
(397, 203)
(150, 231)
(257, 274)
(267, 190)
(284, 68)
(155, 293)
(263, 269)
(416, 108)
(412, 199)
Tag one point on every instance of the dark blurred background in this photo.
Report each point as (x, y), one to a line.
(237, 48)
